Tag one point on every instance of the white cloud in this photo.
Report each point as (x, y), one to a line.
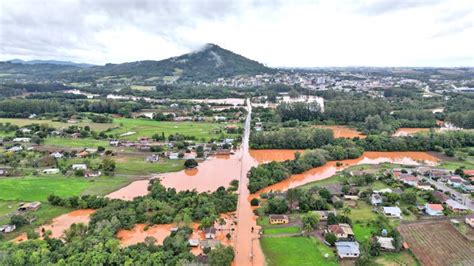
(297, 34)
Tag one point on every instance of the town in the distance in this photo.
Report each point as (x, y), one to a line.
(210, 158)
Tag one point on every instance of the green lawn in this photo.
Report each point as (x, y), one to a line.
(32, 188)
(400, 258)
(23, 122)
(363, 212)
(296, 251)
(281, 230)
(147, 128)
(76, 143)
(362, 231)
(328, 181)
(456, 164)
(138, 166)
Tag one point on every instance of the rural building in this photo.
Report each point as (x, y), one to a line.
(51, 171)
(193, 242)
(25, 130)
(31, 206)
(92, 174)
(386, 243)
(334, 189)
(153, 158)
(455, 181)
(79, 167)
(409, 180)
(424, 186)
(4, 171)
(21, 139)
(323, 215)
(173, 155)
(210, 232)
(15, 149)
(347, 249)
(455, 206)
(470, 220)
(8, 228)
(376, 199)
(210, 243)
(440, 196)
(341, 231)
(278, 219)
(392, 212)
(469, 173)
(83, 154)
(57, 155)
(351, 197)
(383, 191)
(434, 209)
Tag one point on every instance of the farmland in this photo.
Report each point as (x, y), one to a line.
(289, 250)
(437, 243)
(56, 124)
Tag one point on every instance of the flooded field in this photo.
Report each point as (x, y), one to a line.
(330, 168)
(343, 132)
(264, 156)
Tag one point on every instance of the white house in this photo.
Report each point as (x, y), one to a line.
(21, 139)
(392, 212)
(376, 199)
(57, 155)
(51, 171)
(7, 228)
(79, 167)
(386, 243)
(210, 232)
(347, 249)
(15, 148)
(434, 209)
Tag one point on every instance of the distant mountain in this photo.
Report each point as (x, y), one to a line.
(207, 64)
(52, 62)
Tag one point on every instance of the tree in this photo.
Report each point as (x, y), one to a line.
(221, 256)
(330, 238)
(346, 211)
(108, 165)
(190, 163)
(324, 193)
(310, 221)
(408, 197)
(374, 249)
(18, 220)
(254, 202)
(277, 205)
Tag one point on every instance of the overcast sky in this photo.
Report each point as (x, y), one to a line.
(276, 33)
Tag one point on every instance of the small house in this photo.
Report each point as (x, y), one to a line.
(82, 154)
(22, 140)
(455, 206)
(193, 242)
(15, 149)
(278, 219)
(334, 189)
(210, 243)
(386, 243)
(347, 249)
(409, 180)
(440, 196)
(153, 158)
(383, 191)
(210, 232)
(341, 231)
(434, 209)
(31, 206)
(4, 171)
(470, 220)
(79, 167)
(323, 215)
(8, 228)
(392, 212)
(376, 199)
(455, 181)
(89, 174)
(51, 171)
(75, 135)
(424, 186)
(57, 155)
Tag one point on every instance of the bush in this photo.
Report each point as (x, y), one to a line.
(254, 202)
(330, 238)
(190, 163)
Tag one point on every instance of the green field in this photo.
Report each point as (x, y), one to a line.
(363, 212)
(296, 251)
(400, 258)
(76, 143)
(32, 188)
(281, 230)
(23, 122)
(362, 231)
(138, 166)
(147, 128)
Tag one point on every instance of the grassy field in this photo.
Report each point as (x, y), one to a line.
(23, 122)
(395, 259)
(138, 166)
(76, 143)
(147, 128)
(32, 188)
(363, 212)
(328, 181)
(282, 230)
(296, 251)
(362, 231)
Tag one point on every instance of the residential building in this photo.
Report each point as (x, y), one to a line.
(89, 174)
(193, 242)
(323, 215)
(15, 149)
(455, 206)
(278, 219)
(392, 212)
(376, 199)
(79, 167)
(470, 220)
(57, 155)
(341, 231)
(210, 232)
(409, 180)
(21, 139)
(51, 171)
(424, 186)
(347, 249)
(386, 243)
(434, 209)
(8, 228)
(31, 206)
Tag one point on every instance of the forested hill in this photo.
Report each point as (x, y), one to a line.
(210, 63)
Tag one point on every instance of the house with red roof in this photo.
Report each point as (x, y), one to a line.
(434, 209)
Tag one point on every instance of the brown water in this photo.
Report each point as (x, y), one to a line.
(330, 168)
(343, 131)
(264, 156)
(63, 222)
(134, 189)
